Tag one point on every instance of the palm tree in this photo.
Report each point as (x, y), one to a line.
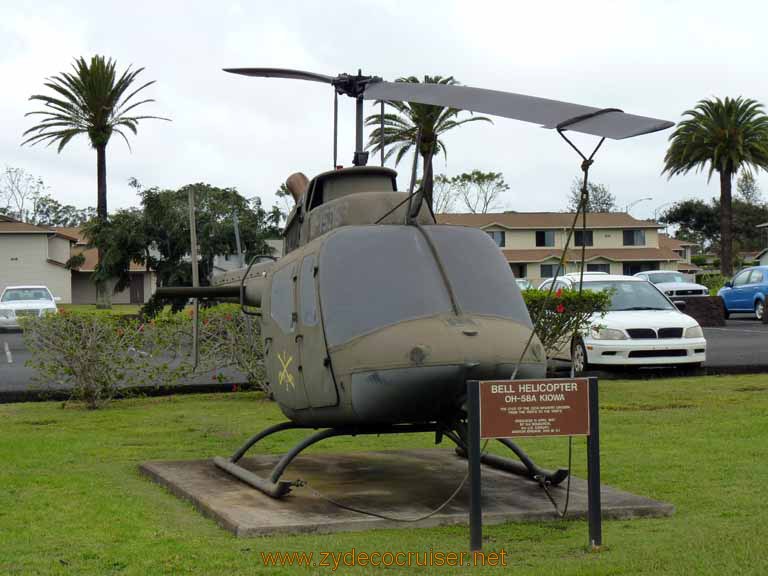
(723, 135)
(402, 127)
(90, 100)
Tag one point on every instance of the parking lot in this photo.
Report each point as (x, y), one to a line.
(739, 347)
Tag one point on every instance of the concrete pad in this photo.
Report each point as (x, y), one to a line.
(403, 484)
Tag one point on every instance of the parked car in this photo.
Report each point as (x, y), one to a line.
(673, 283)
(523, 283)
(18, 301)
(642, 327)
(746, 292)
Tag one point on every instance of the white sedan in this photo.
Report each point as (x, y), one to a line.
(18, 301)
(642, 327)
(673, 283)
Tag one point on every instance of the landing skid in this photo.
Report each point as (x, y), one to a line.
(274, 487)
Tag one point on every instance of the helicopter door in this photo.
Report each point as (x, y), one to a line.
(281, 338)
(313, 353)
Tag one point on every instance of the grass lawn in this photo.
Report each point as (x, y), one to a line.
(72, 500)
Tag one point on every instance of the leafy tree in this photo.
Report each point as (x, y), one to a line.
(600, 199)
(747, 188)
(157, 235)
(699, 222)
(722, 136)
(50, 212)
(479, 191)
(401, 129)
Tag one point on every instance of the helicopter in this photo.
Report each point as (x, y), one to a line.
(377, 315)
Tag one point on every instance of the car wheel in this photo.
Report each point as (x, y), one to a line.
(579, 357)
(759, 309)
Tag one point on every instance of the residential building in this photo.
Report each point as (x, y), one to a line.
(35, 255)
(532, 242)
(143, 282)
(684, 251)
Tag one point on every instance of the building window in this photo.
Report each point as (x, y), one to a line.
(634, 237)
(632, 268)
(545, 238)
(548, 270)
(498, 236)
(583, 238)
(599, 268)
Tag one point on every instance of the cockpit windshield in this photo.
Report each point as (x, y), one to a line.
(376, 276)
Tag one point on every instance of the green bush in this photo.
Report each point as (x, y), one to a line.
(712, 281)
(95, 354)
(560, 315)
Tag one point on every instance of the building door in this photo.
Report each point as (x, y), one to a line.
(137, 288)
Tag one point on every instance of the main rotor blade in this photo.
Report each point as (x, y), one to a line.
(612, 123)
(282, 73)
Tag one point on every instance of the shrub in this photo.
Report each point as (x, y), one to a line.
(565, 313)
(712, 281)
(228, 338)
(95, 354)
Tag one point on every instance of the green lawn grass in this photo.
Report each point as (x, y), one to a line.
(72, 500)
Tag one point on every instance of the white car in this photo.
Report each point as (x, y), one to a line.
(642, 327)
(18, 301)
(673, 283)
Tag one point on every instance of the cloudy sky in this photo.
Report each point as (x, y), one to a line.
(653, 58)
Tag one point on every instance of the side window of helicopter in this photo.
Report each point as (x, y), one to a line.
(307, 298)
(282, 300)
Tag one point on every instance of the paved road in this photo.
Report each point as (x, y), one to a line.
(740, 346)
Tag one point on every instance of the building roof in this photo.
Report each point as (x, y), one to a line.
(687, 267)
(574, 255)
(544, 220)
(666, 241)
(72, 232)
(92, 258)
(10, 225)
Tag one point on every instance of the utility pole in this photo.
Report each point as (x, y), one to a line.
(195, 272)
(236, 223)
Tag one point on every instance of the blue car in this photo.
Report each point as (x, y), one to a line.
(746, 292)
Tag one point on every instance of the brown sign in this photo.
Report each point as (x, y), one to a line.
(553, 407)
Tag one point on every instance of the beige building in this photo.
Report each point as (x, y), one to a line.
(142, 284)
(35, 255)
(532, 242)
(684, 251)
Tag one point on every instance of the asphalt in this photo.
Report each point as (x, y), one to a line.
(740, 347)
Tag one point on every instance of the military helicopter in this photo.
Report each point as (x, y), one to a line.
(377, 316)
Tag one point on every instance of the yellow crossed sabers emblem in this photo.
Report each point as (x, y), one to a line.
(286, 376)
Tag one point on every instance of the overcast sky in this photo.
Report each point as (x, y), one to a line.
(651, 58)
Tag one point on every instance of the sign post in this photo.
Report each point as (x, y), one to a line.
(473, 458)
(546, 407)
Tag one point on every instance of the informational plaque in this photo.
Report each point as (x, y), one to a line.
(550, 407)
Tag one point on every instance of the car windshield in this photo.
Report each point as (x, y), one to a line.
(631, 295)
(662, 277)
(18, 294)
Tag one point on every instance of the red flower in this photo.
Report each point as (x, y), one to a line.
(234, 387)
(560, 309)
(559, 293)
(228, 317)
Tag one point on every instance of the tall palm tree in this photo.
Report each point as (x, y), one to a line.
(723, 136)
(90, 100)
(401, 129)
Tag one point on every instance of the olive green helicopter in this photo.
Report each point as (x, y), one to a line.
(376, 316)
